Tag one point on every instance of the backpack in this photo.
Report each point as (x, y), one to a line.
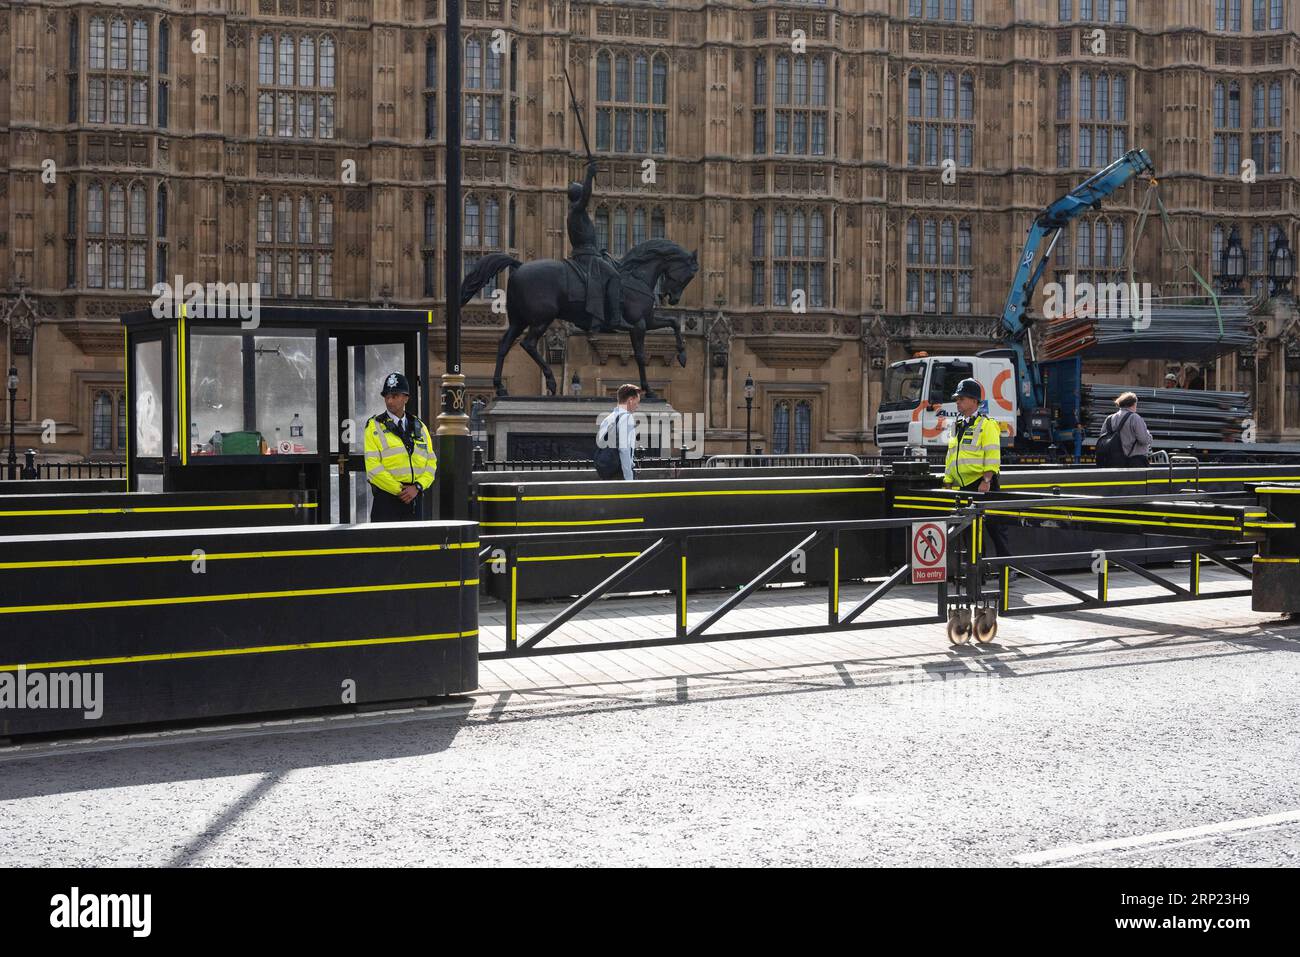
(1110, 447)
(609, 463)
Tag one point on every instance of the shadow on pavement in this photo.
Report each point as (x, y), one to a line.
(271, 752)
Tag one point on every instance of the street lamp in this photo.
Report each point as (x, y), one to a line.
(13, 397)
(1232, 264)
(1281, 266)
(749, 411)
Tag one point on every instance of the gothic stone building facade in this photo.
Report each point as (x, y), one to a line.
(209, 139)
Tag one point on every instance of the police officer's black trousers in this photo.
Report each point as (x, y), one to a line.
(390, 508)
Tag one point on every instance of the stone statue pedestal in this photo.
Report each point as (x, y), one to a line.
(558, 427)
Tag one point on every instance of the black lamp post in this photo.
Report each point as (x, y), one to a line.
(13, 397)
(454, 441)
(749, 411)
(1281, 266)
(1232, 264)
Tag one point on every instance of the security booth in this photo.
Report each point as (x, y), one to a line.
(216, 402)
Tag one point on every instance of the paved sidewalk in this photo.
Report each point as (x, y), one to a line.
(660, 672)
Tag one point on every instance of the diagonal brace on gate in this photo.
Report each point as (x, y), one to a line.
(595, 592)
(1152, 577)
(1243, 570)
(876, 594)
(763, 577)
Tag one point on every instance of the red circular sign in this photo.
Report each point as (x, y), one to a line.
(929, 544)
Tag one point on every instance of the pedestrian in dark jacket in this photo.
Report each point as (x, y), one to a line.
(1134, 436)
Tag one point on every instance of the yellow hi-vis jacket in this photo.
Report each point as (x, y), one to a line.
(973, 452)
(388, 465)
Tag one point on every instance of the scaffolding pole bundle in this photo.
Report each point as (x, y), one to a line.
(1168, 331)
(1173, 414)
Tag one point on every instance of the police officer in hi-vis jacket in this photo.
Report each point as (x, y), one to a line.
(400, 462)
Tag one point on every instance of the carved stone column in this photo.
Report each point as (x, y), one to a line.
(719, 335)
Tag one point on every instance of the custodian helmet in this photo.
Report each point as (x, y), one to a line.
(969, 388)
(396, 382)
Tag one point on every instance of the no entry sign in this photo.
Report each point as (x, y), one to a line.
(929, 547)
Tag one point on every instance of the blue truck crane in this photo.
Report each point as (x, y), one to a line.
(1043, 408)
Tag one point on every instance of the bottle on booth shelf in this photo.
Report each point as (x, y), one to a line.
(216, 442)
(295, 427)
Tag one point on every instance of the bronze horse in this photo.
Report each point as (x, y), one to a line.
(541, 291)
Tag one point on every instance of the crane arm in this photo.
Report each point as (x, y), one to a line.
(1083, 198)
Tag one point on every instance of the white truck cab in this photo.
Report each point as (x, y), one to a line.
(917, 410)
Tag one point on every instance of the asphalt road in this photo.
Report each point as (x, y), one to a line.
(1019, 757)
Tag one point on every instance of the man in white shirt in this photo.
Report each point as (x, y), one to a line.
(618, 430)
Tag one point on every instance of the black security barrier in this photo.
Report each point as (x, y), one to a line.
(549, 568)
(1277, 565)
(1206, 530)
(201, 623)
(51, 514)
(500, 558)
(1229, 483)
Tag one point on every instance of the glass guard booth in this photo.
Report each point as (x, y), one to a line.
(214, 406)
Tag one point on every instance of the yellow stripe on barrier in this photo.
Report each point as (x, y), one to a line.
(835, 597)
(1273, 560)
(233, 556)
(1129, 511)
(229, 652)
(565, 558)
(183, 406)
(496, 498)
(1066, 484)
(514, 601)
(245, 596)
(152, 508)
(742, 491)
(926, 508)
(1270, 524)
(1230, 478)
(1065, 516)
(1280, 491)
(592, 521)
(683, 609)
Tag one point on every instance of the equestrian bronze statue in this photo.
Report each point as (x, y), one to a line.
(591, 289)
